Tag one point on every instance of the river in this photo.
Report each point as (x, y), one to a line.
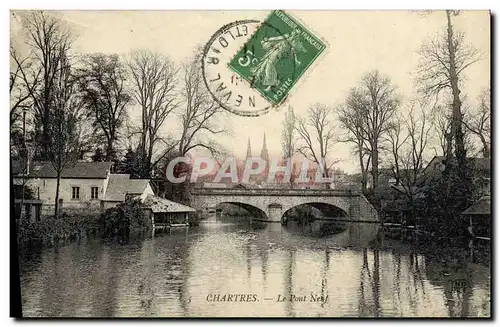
(268, 269)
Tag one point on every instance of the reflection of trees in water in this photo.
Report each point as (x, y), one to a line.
(355, 234)
(324, 280)
(288, 282)
(458, 278)
(74, 280)
(369, 283)
(105, 282)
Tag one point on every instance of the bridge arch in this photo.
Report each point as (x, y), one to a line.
(326, 210)
(251, 209)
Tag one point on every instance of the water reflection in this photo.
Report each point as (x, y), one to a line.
(180, 274)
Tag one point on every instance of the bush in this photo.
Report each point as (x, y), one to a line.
(50, 231)
(123, 219)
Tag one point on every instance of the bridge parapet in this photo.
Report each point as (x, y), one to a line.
(273, 192)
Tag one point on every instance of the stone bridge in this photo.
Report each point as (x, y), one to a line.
(272, 204)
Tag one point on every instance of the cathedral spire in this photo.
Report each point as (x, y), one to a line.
(249, 149)
(264, 153)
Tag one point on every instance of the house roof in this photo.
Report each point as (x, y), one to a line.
(160, 205)
(481, 207)
(483, 164)
(137, 186)
(119, 185)
(83, 170)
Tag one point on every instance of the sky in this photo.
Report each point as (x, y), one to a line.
(358, 42)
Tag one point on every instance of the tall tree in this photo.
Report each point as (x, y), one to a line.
(441, 121)
(316, 136)
(289, 138)
(442, 64)
(478, 122)
(66, 115)
(396, 139)
(50, 40)
(154, 79)
(409, 139)
(371, 106)
(201, 117)
(102, 83)
(288, 133)
(352, 120)
(23, 81)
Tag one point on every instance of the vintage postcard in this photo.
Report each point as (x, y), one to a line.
(273, 163)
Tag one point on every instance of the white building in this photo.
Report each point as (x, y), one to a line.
(86, 186)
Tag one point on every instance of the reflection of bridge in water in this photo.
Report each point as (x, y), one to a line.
(271, 204)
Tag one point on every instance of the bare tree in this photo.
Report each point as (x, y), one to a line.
(23, 81)
(154, 79)
(288, 137)
(441, 121)
(413, 156)
(442, 64)
(66, 115)
(102, 83)
(316, 136)
(200, 115)
(350, 116)
(409, 139)
(396, 140)
(478, 122)
(50, 40)
(373, 103)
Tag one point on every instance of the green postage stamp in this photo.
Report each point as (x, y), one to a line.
(277, 55)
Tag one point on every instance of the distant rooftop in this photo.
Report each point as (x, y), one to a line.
(45, 169)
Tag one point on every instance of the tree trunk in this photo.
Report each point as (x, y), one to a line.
(375, 166)
(110, 150)
(456, 124)
(486, 148)
(362, 166)
(56, 207)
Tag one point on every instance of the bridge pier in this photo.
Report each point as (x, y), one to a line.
(274, 212)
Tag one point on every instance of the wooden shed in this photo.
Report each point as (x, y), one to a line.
(479, 215)
(165, 213)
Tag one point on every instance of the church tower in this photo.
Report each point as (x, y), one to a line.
(249, 150)
(264, 154)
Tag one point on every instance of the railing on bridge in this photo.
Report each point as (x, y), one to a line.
(272, 192)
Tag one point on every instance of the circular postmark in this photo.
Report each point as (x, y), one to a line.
(233, 91)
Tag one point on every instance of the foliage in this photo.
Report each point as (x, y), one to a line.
(124, 218)
(98, 155)
(28, 192)
(130, 164)
(101, 82)
(52, 230)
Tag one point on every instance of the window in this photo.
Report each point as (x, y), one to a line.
(94, 192)
(75, 192)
